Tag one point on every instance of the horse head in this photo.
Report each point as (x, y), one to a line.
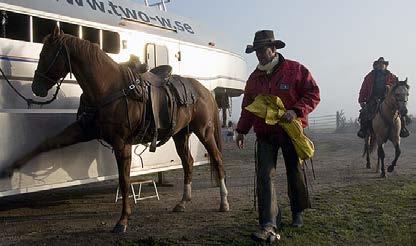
(54, 63)
(400, 93)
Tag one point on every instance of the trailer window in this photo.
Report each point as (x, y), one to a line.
(42, 28)
(91, 34)
(69, 28)
(111, 42)
(162, 57)
(156, 55)
(15, 26)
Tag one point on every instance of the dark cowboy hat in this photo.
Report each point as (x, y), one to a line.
(381, 60)
(264, 38)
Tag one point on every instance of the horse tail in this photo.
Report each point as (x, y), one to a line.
(217, 131)
(218, 142)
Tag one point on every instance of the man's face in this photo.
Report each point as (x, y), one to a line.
(265, 54)
(380, 66)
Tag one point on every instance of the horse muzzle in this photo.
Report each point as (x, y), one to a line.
(38, 90)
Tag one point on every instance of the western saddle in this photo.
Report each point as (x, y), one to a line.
(160, 91)
(167, 93)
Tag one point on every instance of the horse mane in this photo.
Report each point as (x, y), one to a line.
(80, 46)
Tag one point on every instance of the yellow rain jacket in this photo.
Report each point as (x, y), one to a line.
(271, 108)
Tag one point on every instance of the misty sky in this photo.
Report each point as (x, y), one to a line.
(337, 40)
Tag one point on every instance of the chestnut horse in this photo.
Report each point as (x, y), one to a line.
(386, 125)
(117, 121)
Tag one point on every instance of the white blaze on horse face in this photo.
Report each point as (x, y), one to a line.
(401, 95)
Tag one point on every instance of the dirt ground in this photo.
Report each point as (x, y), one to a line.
(85, 215)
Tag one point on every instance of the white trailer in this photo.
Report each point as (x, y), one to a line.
(120, 28)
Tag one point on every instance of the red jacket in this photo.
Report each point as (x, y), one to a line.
(290, 81)
(367, 86)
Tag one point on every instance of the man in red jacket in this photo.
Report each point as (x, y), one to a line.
(293, 83)
(372, 92)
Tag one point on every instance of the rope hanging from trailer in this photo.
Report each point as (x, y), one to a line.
(44, 75)
(30, 101)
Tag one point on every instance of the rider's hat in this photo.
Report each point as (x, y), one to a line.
(264, 38)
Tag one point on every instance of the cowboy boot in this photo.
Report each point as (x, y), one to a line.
(297, 220)
(361, 133)
(267, 234)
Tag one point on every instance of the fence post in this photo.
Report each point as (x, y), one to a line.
(338, 120)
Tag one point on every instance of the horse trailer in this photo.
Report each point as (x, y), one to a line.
(121, 28)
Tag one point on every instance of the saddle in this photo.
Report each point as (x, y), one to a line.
(160, 91)
(167, 93)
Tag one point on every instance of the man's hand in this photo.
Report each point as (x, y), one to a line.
(239, 140)
(289, 116)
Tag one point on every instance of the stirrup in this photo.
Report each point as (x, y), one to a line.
(153, 144)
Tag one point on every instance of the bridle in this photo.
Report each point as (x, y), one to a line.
(44, 75)
(397, 100)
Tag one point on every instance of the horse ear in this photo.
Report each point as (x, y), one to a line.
(55, 31)
(405, 80)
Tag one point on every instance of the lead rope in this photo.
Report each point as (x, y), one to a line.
(140, 154)
(30, 101)
(305, 174)
(255, 175)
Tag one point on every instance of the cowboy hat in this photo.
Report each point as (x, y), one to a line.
(264, 38)
(381, 60)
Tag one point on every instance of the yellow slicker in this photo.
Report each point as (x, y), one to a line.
(271, 108)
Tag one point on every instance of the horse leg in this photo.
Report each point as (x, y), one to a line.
(381, 156)
(71, 135)
(181, 140)
(396, 157)
(122, 153)
(208, 140)
(367, 151)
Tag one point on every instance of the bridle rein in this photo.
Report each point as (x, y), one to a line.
(67, 63)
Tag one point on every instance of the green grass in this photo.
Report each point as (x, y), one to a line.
(382, 212)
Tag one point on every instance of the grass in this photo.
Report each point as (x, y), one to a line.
(382, 212)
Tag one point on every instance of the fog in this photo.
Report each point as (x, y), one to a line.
(337, 40)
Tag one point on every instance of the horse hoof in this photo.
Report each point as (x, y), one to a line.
(368, 166)
(224, 207)
(120, 229)
(179, 208)
(383, 175)
(390, 169)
